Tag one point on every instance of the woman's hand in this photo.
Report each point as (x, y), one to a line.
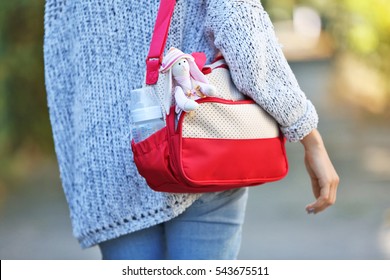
(324, 178)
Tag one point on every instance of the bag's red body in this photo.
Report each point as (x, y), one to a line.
(172, 163)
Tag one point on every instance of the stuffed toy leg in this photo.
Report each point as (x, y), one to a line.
(183, 102)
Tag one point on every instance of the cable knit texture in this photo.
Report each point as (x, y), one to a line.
(95, 54)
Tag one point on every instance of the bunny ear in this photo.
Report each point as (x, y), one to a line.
(196, 74)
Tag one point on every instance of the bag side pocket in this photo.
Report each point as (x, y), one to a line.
(151, 157)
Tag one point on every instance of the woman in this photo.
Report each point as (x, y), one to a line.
(94, 56)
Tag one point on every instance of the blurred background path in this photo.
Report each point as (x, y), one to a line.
(34, 221)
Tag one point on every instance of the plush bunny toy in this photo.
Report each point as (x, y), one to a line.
(189, 82)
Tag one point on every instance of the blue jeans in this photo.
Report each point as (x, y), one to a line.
(209, 229)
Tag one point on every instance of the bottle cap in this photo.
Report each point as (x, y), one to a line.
(146, 113)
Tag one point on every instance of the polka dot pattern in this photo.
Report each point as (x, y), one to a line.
(209, 121)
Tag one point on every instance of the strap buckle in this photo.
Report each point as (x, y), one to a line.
(152, 58)
(152, 69)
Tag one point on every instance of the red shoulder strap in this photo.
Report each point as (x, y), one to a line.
(159, 38)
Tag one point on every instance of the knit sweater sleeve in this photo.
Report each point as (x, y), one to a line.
(243, 32)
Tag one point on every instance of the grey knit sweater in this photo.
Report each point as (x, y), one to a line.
(95, 54)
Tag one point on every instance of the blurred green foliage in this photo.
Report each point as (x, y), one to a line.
(24, 121)
(359, 28)
(364, 30)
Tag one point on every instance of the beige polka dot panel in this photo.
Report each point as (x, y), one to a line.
(220, 78)
(209, 121)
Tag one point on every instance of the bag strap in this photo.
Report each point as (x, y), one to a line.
(159, 39)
